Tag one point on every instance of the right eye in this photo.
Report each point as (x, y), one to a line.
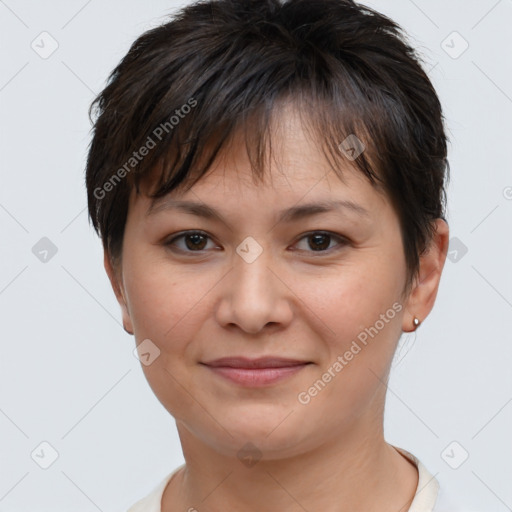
(193, 241)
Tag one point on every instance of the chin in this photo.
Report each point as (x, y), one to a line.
(269, 437)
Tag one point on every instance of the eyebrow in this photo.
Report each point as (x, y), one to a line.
(288, 215)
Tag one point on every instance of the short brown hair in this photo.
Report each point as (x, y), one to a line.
(218, 66)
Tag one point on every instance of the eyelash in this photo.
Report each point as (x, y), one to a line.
(342, 241)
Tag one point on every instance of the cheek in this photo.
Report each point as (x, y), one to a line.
(152, 304)
(352, 298)
(362, 310)
(165, 302)
(366, 322)
(165, 309)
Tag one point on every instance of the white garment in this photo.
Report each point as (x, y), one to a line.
(428, 498)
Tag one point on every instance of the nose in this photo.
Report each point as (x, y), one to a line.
(254, 296)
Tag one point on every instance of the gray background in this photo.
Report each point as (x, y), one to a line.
(68, 375)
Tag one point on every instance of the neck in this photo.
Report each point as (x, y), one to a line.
(351, 472)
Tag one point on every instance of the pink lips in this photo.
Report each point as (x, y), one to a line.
(255, 372)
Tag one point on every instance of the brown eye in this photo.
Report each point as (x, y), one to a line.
(320, 242)
(195, 241)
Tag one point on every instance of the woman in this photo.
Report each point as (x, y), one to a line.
(268, 179)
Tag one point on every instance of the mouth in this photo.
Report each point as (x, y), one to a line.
(255, 372)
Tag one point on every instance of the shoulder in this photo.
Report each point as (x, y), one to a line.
(153, 501)
(430, 495)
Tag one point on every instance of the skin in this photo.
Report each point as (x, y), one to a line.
(329, 454)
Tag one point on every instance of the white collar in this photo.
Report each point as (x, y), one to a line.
(428, 487)
(424, 499)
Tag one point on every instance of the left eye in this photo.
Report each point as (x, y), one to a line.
(319, 241)
(196, 241)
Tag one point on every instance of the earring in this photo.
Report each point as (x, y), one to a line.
(416, 323)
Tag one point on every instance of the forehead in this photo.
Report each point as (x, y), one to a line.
(297, 170)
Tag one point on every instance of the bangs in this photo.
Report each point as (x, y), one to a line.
(342, 123)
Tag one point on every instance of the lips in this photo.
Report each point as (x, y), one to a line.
(263, 362)
(254, 373)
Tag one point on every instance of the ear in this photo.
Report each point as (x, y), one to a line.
(116, 281)
(423, 294)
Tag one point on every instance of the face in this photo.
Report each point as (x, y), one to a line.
(320, 288)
